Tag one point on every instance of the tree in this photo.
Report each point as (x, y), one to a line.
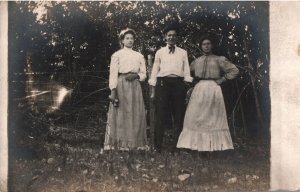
(73, 41)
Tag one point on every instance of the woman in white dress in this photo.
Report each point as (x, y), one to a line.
(126, 122)
(205, 124)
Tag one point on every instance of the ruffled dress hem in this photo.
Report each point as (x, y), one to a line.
(217, 140)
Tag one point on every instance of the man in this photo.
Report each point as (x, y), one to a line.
(169, 82)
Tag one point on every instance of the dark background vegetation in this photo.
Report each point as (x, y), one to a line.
(69, 47)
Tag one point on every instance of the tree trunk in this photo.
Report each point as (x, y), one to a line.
(242, 111)
(257, 104)
(240, 104)
(151, 103)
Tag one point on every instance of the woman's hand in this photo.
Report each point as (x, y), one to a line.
(132, 76)
(188, 85)
(188, 95)
(113, 95)
(221, 80)
(114, 98)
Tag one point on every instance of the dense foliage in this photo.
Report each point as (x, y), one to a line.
(70, 43)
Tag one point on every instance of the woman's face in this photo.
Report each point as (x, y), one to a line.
(128, 40)
(206, 46)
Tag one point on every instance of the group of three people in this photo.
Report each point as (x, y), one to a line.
(202, 126)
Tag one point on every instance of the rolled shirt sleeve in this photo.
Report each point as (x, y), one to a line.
(113, 72)
(155, 69)
(230, 70)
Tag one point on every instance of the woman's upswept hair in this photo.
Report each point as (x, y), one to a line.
(206, 37)
(124, 32)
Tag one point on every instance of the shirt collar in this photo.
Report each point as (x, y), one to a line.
(207, 54)
(170, 45)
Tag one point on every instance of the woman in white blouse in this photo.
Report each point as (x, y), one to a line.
(126, 122)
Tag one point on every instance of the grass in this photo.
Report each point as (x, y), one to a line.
(71, 159)
(78, 170)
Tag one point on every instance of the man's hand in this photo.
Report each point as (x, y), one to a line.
(132, 76)
(152, 93)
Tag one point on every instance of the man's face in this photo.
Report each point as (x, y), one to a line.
(171, 37)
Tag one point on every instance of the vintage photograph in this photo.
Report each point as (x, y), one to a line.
(138, 96)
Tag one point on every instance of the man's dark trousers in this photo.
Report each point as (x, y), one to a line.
(170, 93)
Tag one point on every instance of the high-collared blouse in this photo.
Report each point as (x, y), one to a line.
(166, 63)
(125, 61)
(214, 67)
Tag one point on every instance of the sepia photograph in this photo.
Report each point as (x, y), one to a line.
(139, 96)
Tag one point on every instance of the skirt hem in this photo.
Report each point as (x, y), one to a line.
(120, 144)
(218, 140)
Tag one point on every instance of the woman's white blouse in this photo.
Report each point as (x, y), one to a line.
(124, 61)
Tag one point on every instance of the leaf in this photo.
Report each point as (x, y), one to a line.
(255, 177)
(35, 177)
(232, 180)
(215, 187)
(183, 177)
(146, 176)
(248, 177)
(161, 166)
(50, 160)
(85, 172)
(137, 166)
(204, 170)
(227, 174)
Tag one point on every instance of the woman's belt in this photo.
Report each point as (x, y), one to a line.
(206, 78)
(119, 74)
(171, 77)
(202, 78)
